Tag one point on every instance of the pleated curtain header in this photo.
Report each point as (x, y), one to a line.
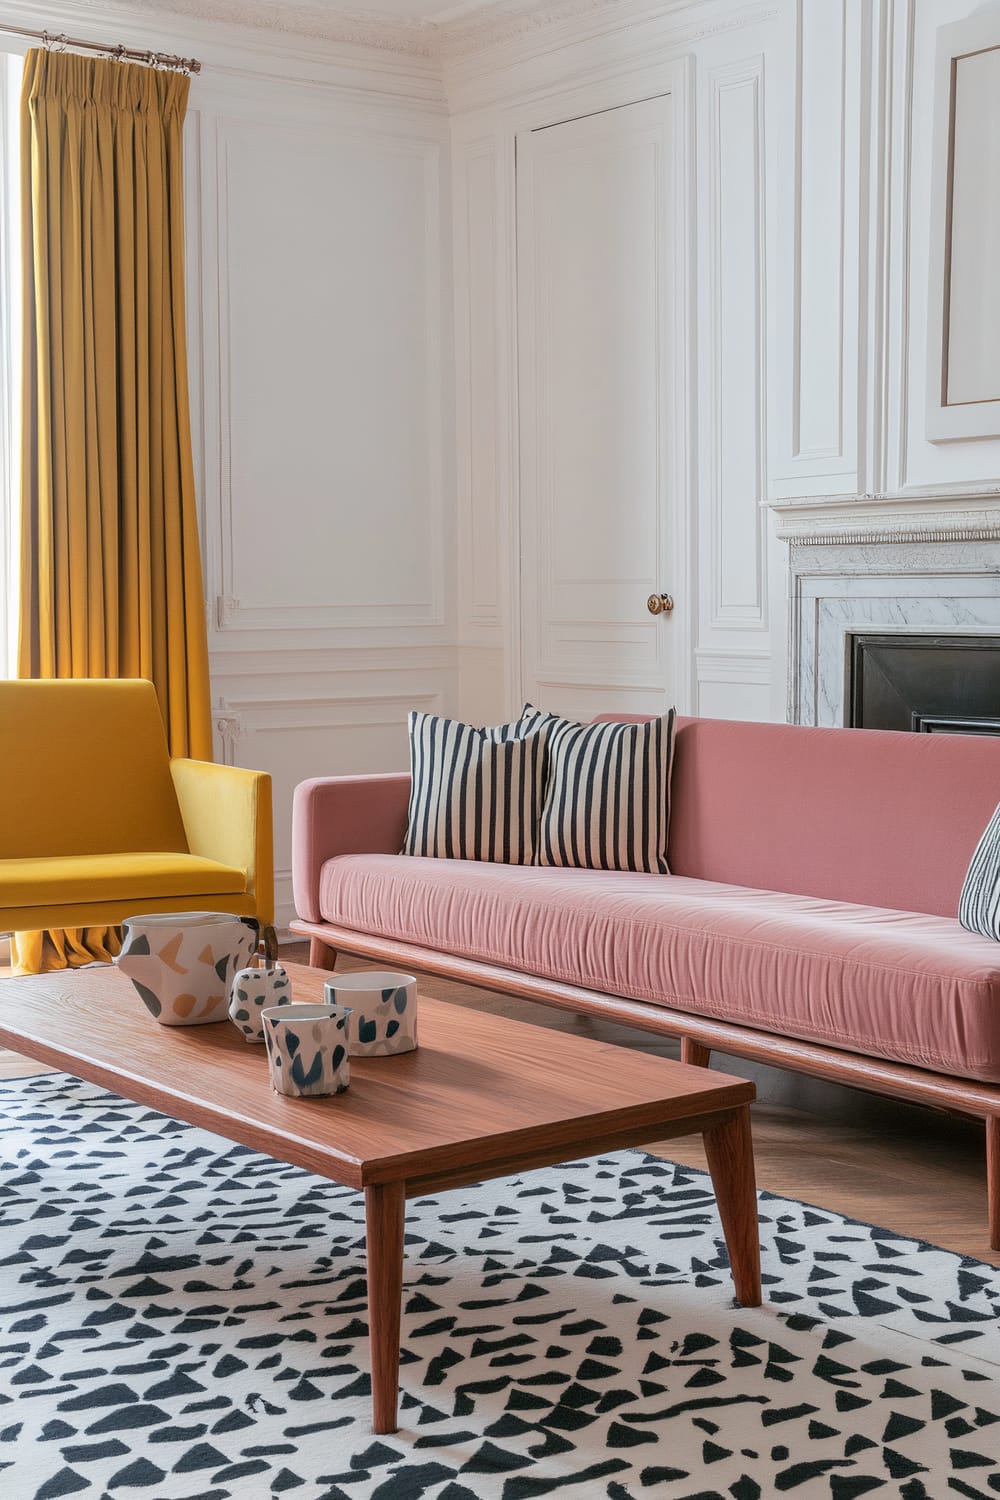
(102, 81)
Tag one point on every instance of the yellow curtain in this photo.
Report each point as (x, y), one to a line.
(111, 582)
(37, 952)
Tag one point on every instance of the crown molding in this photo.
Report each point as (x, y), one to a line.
(378, 31)
(232, 50)
(452, 34)
(467, 31)
(496, 24)
(512, 59)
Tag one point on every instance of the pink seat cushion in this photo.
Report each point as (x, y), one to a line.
(888, 983)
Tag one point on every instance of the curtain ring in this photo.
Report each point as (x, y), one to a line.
(119, 53)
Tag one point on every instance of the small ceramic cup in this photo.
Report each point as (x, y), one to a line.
(253, 990)
(307, 1048)
(385, 1010)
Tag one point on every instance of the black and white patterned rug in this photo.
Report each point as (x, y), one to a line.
(181, 1318)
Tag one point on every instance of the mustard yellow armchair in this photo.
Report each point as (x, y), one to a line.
(97, 823)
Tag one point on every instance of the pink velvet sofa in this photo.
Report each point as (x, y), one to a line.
(809, 920)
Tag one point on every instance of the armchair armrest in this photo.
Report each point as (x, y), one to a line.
(343, 815)
(227, 816)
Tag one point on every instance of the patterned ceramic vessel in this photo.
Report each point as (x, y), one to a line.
(307, 1048)
(182, 963)
(385, 1010)
(251, 991)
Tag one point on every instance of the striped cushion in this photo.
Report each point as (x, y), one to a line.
(607, 795)
(475, 793)
(979, 903)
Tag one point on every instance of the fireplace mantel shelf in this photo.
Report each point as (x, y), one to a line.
(949, 515)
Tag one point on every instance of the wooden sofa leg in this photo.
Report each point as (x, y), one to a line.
(321, 955)
(694, 1053)
(993, 1178)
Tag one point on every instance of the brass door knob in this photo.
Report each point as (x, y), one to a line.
(660, 604)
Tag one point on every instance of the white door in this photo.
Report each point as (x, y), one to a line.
(594, 233)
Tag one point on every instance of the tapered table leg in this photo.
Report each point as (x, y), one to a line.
(730, 1160)
(385, 1209)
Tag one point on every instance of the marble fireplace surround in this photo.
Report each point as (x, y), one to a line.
(914, 564)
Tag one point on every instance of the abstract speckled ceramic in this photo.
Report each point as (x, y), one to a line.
(385, 1010)
(307, 1048)
(251, 991)
(182, 963)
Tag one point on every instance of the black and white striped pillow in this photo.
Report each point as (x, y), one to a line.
(607, 795)
(979, 903)
(474, 793)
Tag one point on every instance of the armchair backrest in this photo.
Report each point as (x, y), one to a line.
(84, 769)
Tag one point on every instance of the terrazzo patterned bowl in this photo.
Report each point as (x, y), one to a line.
(307, 1048)
(385, 1010)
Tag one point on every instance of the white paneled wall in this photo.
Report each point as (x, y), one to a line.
(738, 70)
(718, 64)
(328, 311)
(486, 530)
(320, 324)
(329, 509)
(816, 370)
(360, 331)
(815, 225)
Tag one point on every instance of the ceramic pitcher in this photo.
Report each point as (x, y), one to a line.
(182, 963)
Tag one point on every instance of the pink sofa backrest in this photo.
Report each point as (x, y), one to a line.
(882, 818)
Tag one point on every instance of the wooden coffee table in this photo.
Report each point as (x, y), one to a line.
(482, 1096)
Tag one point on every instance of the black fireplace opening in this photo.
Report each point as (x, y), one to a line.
(930, 684)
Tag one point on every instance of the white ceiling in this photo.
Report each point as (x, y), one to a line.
(397, 10)
(319, 16)
(422, 27)
(404, 10)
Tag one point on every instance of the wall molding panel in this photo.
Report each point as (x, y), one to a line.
(733, 684)
(736, 477)
(245, 474)
(481, 508)
(817, 428)
(322, 733)
(963, 372)
(820, 293)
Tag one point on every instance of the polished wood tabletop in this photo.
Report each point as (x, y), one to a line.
(482, 1096)
(477, 1091)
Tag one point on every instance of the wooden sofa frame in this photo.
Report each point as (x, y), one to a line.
(699, 1036)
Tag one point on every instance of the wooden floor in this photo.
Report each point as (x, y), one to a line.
(916, 1171)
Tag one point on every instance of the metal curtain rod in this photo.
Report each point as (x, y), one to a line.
(60, 42)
